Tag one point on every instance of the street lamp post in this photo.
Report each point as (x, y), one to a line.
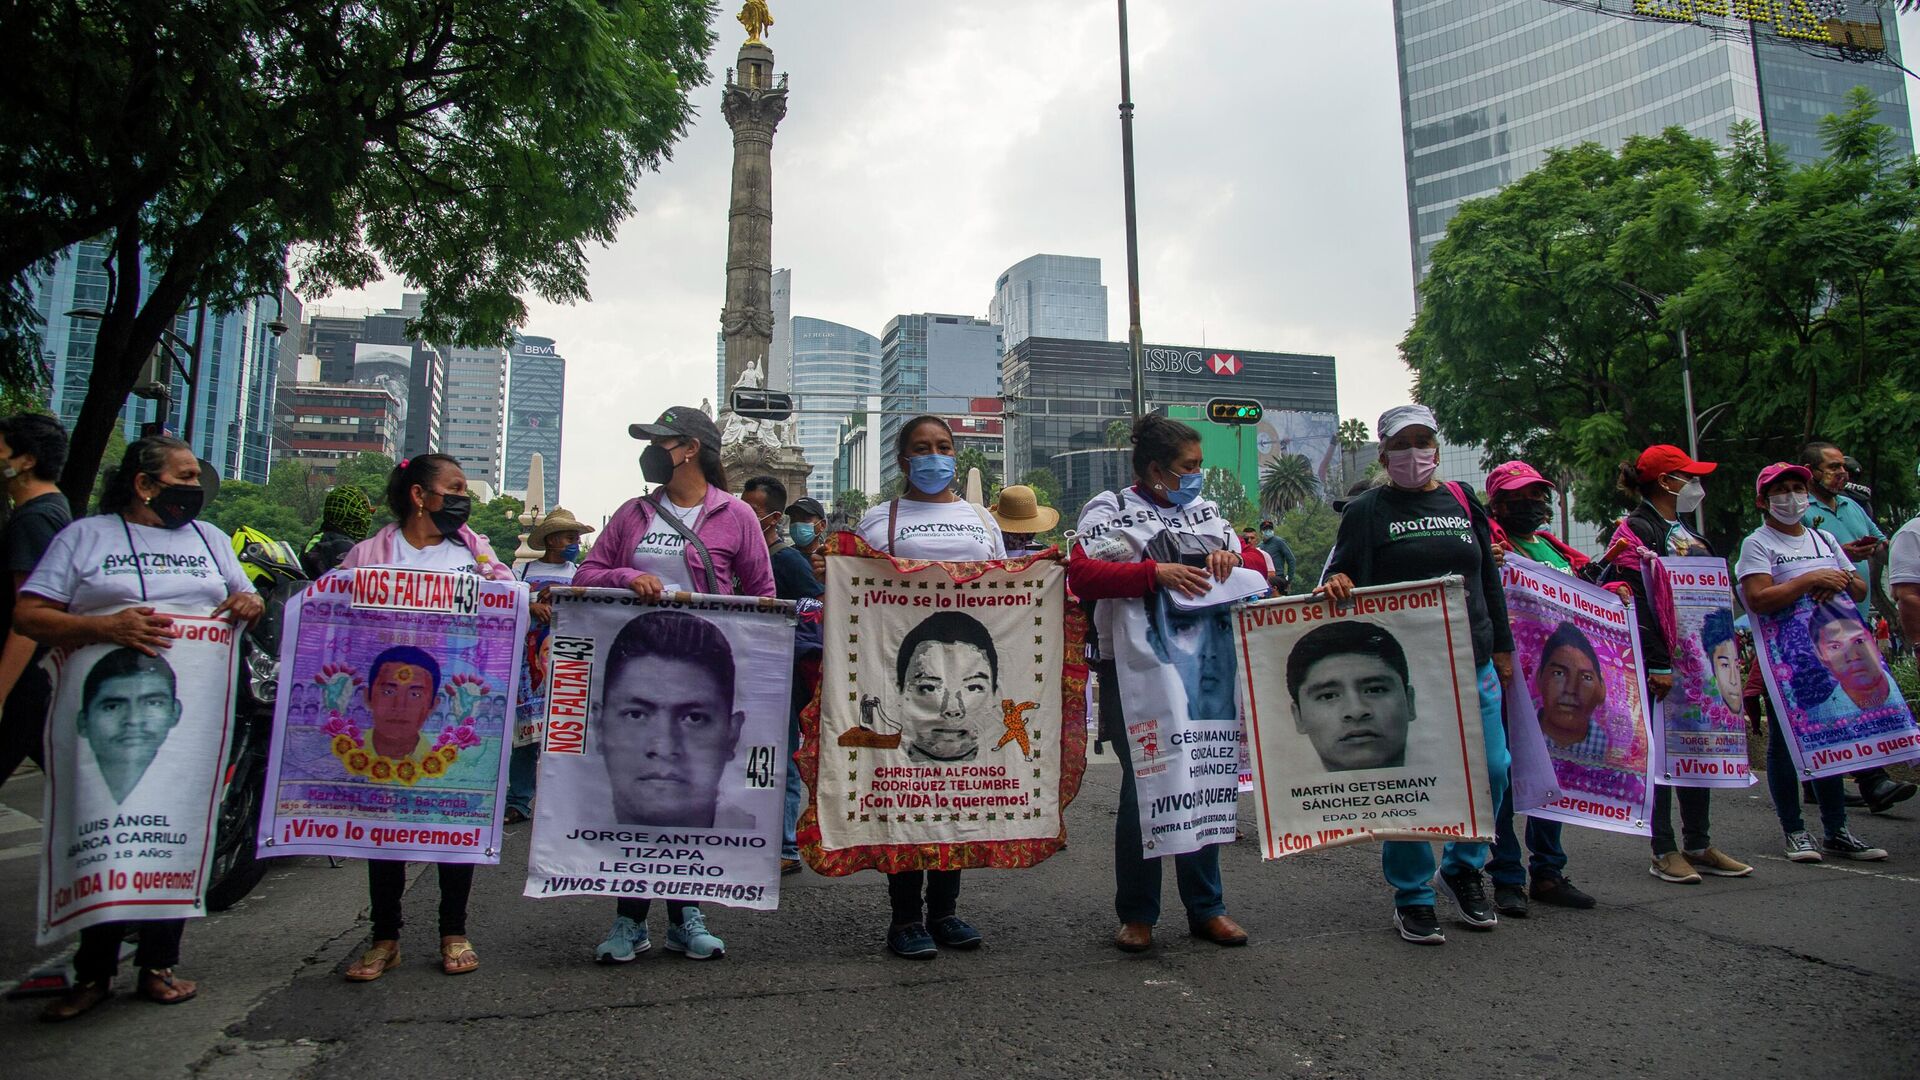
(1686, 388)
(1133, 242)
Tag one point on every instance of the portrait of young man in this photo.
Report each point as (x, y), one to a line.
(1352, 696)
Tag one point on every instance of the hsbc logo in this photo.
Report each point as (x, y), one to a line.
(1165, 361)
(1224, 364)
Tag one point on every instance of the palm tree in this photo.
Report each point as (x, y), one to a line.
(1120, 433)
(1352, 436)
(1286, 483)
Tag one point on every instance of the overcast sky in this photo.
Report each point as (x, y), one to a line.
(927, 147)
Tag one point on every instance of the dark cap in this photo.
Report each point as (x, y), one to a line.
(807, 507)
(683, 421)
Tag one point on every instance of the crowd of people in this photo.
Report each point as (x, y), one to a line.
(83, 581)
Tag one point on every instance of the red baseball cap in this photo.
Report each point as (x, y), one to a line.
(1515, 476)
(1778, 471)
(1661, 460)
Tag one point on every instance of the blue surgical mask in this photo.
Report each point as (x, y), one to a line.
(802, 534)
(931, 474)
(1188, 490)
(570, 552)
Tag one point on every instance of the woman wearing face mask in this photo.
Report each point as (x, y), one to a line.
(147, 515)
(1667, 483)
(688, 535)
(427, 496)
(1109, 566)
(929, 521)
(1780, 562)
(1412, 529)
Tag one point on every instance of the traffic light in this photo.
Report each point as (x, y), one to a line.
(755, 404)
(1227, 410)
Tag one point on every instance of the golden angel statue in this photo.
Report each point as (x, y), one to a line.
(756, 18)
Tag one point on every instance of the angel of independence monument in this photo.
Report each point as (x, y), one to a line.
(754, 103)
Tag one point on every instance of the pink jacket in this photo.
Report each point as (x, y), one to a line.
(377, 550)
(741, 564)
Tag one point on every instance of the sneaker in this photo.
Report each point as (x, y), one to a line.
(789, 866)
(1418, 924)
(689, 937)
(1468, 891)
(1556, 890)
(1848, 846)
(911, 940)
(625, 941)
(953, 932)
(1510, 900)
(1801, 848)
(1718, 863)
(1674, 867)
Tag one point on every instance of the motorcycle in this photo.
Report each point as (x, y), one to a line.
(236, 866)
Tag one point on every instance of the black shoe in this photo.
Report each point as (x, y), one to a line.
(1559, 892)
(1468, 891)
(1419, 925)
(1885, 791)
(953, 932)
(911, 940)
(1855, 800)
(1510, 900)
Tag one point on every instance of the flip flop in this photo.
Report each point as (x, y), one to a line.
(374, 963)
(80, 999)
(455, 951)
(165, 977)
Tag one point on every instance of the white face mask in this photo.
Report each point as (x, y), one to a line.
(1690, 496)
(1788, 509)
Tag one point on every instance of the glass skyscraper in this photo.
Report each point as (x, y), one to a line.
(1487, 87)
(472, 417)
(934, 364)
(834, 368)
(536, 387)
(1050, 296)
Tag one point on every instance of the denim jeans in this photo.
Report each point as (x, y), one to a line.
(1136, 878)
(796, 792)
(523, 767)
(1543, 842)
(1783, 782)
(1408, 864)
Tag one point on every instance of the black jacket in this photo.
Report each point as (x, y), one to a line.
(1652, 531)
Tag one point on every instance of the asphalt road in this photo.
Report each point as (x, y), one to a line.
(1799, 971)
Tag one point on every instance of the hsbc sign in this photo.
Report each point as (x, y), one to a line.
(1168, 361)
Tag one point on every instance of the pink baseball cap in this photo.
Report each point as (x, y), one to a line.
(1514, 476)
(1777, 472)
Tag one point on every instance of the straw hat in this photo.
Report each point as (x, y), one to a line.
(558, 521)
(1018, 510)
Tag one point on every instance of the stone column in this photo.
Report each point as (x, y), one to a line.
(754, 103)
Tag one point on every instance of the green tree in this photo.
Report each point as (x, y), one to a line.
(1224, 489)
(1120, 433)
(254, 505)
(852, 503)
(109, 460)
(1045, 485)
(499, 522)
(1309, 530)
(1287, 482)
(463, 145)
(297, 487)
(368, 472)
(975, 458)
(1352, 437)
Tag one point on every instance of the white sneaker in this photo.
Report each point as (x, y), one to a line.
(1801, 848)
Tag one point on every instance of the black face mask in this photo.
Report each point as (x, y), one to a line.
(1524, 518)
(177, 504)
(452, 514)
(656, 464)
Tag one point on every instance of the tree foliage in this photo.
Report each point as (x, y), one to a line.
(1120, 433)
(975, 458)
(1550, 324)
(499, 522)
(472, 147)
(1287, 482)
(852, 503)
(1045, 485)
(1309, 530)
(1222, 487)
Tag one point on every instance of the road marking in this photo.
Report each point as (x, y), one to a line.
(12, 821)
(1846, 869)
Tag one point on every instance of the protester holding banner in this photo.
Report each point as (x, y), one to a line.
(1135, 546)
(1780, 563)
(688, 535)
(1666, 482)
(114, 579)
(557, 538)
(1412, 529)
(427, 495)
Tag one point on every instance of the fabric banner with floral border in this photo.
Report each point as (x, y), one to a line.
(1700, 727)
(968, 763)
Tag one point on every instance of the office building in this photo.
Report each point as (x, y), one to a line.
(856, 467)
(1487, 87)
(472, 421)
(1050, 296)
(322, 424)
(1062, 396)
(935, 364)
(834, 368)
(536, 389)
(982, 428)
(336, 335)
(780, 353)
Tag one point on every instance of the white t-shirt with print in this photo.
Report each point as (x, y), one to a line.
(99, 563)
(445, 555)
(956, 531)
(540, 571)
(662, 551)
(1769, 551)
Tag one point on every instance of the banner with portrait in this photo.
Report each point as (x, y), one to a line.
(664, 768)
(1364, 718)
(394, 716)
(530, 713)
(1824, 673)
(1577, 719)
(1700, 727)
(950, 728)
(136, 747)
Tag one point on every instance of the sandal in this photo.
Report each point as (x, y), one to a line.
(82, 998)
(458, 957)
(515, 815)
(374, 963)
(173, 992)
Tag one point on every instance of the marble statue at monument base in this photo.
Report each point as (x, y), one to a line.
(748, 458)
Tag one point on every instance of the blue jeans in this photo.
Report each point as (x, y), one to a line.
(1136, 878)
(796, 792)
(1408, 864)
(523, 767)
(1783, 783)
(1543, 841)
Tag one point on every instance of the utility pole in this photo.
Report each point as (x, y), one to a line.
(1133, 240)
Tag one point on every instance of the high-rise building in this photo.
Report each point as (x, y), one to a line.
(1050, 296)
(322, 424)
(335, 336)
(536, 389)
(1487, 87)
(780, 353)
(834, 368)
(935, 364)
(473, 420)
